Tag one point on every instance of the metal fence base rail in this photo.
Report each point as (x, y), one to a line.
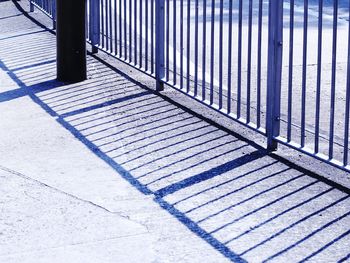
(281, 72)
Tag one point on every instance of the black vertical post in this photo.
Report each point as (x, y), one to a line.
(71, 40)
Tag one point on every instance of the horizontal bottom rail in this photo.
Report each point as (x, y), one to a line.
(319, 156)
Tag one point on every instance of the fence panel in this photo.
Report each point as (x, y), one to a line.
(126, 30)
(279, 67)
(315, 79)
(216, 52)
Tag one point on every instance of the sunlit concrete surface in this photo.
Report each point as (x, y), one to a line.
(107, 170)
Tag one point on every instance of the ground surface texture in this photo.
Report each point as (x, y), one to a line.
(109, 171)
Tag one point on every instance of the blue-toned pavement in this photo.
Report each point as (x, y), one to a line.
(107, 170)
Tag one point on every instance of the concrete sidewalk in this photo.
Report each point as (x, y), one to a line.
(108, 171)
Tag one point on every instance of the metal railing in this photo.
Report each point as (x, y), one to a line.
(179, 44)
(281, 68)
(48, 7)
(315, 90)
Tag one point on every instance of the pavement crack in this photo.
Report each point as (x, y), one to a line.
(120, 214)
(88, 242)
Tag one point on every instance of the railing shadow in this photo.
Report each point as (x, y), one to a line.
(247, 204)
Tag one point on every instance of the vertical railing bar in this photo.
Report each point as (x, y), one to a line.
(160, 38)
(258, 95)
(249, 59)
(90, 24)
(167, 38)
(102, 24)
(304, 75)
(115, 28)
(141, 33)
(333, 81)
(152, 35)
(53, 15)
(229, 66)
(212, 42)
(204, 49)
(319, 70)
(274, 72)
(125, 32)
(90, 34)
(347, 103)
(239, 70)
(52, 7)
(188, 42)
(120, 29)
(221, 53)
(290, 73)
(87, 32)
(196, 50)
(107, 23)
(94, 26)
(130, 31)
(174, 44)
(110, 22)
(181, 44)
(135, 33)
(31, 6)
(110, 26)
(146, 37)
